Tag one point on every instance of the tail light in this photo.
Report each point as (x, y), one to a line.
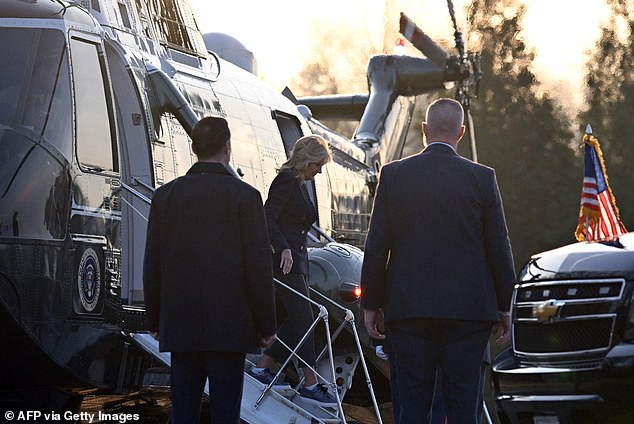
(349, 292)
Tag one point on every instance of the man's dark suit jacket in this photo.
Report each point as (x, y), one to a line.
(289, 216)
(207, 273)
(438, 245)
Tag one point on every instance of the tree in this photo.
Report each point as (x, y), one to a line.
(524, 135)
(337, 64)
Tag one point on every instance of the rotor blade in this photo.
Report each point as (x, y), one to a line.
(421, 41)
(472, 140)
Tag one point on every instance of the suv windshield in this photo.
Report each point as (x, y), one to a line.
(34, 85)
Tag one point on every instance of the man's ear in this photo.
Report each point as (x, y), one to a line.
(461, 133)
(424, 133)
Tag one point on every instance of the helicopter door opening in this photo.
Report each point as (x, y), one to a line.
(136, 174)
(290, 131)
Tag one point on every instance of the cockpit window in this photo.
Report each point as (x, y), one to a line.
(34, 85)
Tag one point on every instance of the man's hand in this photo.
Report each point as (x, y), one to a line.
(287, 261)
(502, 329)
(374, 323)
(267, 341)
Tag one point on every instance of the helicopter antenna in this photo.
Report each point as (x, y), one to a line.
(470, 69)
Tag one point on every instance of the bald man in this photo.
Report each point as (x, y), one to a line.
(438, 271)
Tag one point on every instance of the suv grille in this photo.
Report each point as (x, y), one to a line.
(564, 336)
(557, 319)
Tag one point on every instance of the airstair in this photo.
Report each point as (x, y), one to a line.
(264, 404)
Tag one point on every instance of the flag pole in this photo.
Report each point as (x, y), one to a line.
(588, 132)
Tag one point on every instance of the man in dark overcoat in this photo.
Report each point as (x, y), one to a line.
(208, 278)
(438, 270)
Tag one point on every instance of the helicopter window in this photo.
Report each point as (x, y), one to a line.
(35, 190)
(123, 10)
(34, 89)
(94, 138)
(169, 23)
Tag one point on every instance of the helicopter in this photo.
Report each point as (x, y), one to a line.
(97, 101)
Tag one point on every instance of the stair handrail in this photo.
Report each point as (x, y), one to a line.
(350, 319)
(323, 315)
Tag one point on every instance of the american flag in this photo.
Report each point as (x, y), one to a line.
(598, 216)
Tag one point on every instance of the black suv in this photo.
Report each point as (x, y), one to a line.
(572, 357)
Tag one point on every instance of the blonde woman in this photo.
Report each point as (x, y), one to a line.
(289, 216)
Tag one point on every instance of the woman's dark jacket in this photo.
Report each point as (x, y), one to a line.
(289, 216)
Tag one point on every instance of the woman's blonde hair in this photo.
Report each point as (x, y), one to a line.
(308, 149)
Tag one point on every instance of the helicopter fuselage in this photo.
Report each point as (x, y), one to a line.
(96, 104)
(95, 109)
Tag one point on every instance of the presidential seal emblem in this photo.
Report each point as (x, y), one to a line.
(88, 279)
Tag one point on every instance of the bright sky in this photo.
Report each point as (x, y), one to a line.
(277, 31)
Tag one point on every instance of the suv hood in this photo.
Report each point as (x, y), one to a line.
(584, 259)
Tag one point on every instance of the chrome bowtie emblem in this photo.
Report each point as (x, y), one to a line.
(547, 310)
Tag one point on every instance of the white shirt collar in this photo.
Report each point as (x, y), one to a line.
(442, 142)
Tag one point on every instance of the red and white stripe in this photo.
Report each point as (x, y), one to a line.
(589, 194)
(607, 225)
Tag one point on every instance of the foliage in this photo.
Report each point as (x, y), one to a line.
(610, 93)
(338, 60)
(524, 135)
(337, 65)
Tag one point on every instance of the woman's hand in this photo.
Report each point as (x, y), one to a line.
(287, 261)
(267, 341)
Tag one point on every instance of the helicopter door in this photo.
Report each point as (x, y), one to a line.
(95, 216)
(289, 129)
(136, 173)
